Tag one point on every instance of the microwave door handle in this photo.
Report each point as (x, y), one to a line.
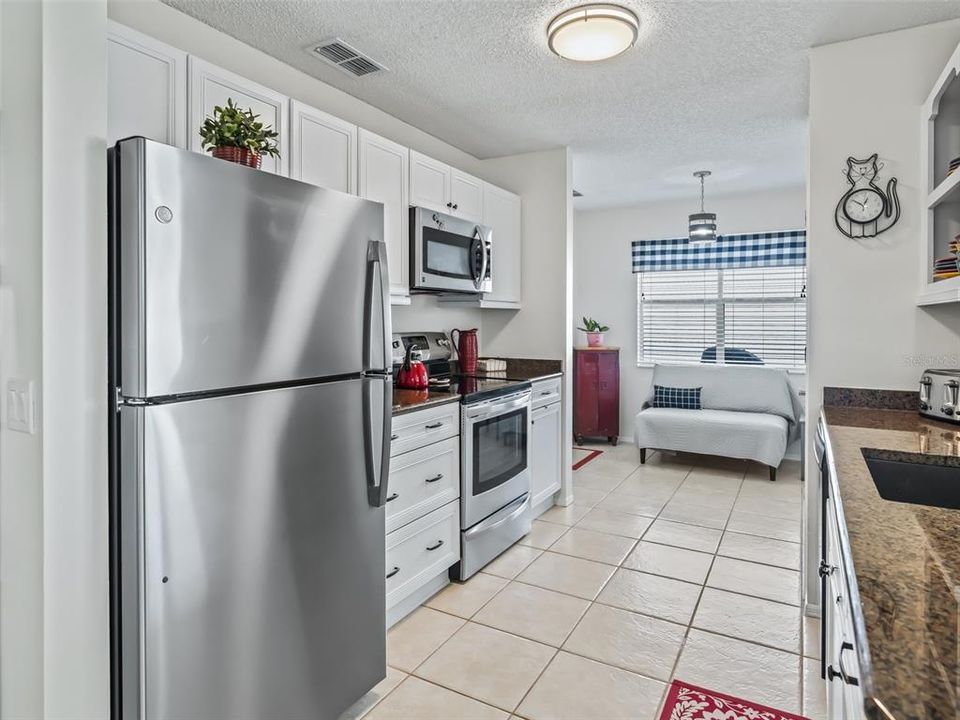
(478, 238)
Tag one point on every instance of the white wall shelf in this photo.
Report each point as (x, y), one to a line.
(945, 192)
(940, 220)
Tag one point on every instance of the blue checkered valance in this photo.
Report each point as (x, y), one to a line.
(769, 249)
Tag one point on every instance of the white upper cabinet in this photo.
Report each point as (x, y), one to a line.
(502, 212)
(466, 195)
(323, 149)
(438, 186)
(211, 85)
(429, 183)
(146, 88)
(383, 177)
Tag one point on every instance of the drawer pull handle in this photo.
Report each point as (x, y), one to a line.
(431, 548)
(393, 572)
(438, 476)
(433, 427)
(547, 392)
(394, 437)
(394, 496)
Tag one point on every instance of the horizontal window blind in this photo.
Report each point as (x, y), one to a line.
(732, 316)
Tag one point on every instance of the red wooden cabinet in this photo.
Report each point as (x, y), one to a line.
(596, 393)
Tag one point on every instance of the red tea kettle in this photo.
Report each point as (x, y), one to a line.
(467, 350)
(413, 373)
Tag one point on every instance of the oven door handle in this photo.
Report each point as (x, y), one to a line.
(516, 509)
(482, 413)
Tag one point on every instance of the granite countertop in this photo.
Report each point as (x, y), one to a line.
(405, 401)
(527, 369)
(906, 559)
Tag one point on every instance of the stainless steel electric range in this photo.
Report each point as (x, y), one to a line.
(494, 452)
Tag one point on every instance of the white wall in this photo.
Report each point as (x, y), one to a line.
(76, 650)
(605, 288)
(541, 329)
(54, 661)
(865, 328)
(21, 346)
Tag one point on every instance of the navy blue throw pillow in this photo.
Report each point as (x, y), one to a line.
(684, 398)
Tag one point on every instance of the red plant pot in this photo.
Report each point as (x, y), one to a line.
(239, 155)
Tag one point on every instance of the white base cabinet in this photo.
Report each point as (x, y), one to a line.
(423, 506)
(545, 438)
(845, 699)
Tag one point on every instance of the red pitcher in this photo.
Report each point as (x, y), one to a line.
(465, 341)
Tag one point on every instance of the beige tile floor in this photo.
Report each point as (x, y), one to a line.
(686, 567)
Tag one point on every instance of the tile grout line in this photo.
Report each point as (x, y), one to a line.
(591, 603)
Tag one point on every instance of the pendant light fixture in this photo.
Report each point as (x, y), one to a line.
(592, 32)
(703, 225)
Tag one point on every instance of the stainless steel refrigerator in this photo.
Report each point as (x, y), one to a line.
(250, 378)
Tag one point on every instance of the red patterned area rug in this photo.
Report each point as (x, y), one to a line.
(689, 702)
(581, 456)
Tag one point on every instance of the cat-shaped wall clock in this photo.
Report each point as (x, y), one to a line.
(865, 210)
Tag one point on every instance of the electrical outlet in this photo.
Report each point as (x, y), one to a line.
(20, 405)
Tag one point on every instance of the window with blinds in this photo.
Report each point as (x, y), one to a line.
(728, 316)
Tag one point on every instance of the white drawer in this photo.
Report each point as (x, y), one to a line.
(418, 552)
(422, 480)
(423, 427)
(546, 391)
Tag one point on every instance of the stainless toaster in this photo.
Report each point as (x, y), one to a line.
(939, 391)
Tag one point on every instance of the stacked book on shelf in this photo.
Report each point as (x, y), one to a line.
(948, 266)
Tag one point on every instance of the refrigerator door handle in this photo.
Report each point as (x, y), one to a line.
(377, 259)
(378, 469)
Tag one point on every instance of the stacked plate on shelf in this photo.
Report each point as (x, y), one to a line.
(954, 164)
(948, 266)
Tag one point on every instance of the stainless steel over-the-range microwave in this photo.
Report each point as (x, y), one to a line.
(448, 253)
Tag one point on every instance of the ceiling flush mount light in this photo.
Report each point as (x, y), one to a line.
(592, 32)
(703, 225)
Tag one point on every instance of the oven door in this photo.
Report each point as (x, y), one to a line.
(449, 253)
(495, 440)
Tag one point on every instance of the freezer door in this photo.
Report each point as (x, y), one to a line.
(261, 588)
(231, 277)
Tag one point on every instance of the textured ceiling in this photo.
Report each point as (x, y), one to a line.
(720, 85)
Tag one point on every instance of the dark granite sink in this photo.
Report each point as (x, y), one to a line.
(918, 483)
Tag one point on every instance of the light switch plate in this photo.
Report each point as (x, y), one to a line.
(20, 405)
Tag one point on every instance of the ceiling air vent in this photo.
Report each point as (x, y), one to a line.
(353, 62)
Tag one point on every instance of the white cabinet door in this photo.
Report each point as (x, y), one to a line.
(544, 453)
(429, 183)
(211, 85)
(466, 195)
(502, 212)
(146, 88)
(383, 177)
(323, 149)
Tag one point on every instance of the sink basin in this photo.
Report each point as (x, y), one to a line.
(915, 483)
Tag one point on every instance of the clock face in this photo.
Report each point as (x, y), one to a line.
(863, 206)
